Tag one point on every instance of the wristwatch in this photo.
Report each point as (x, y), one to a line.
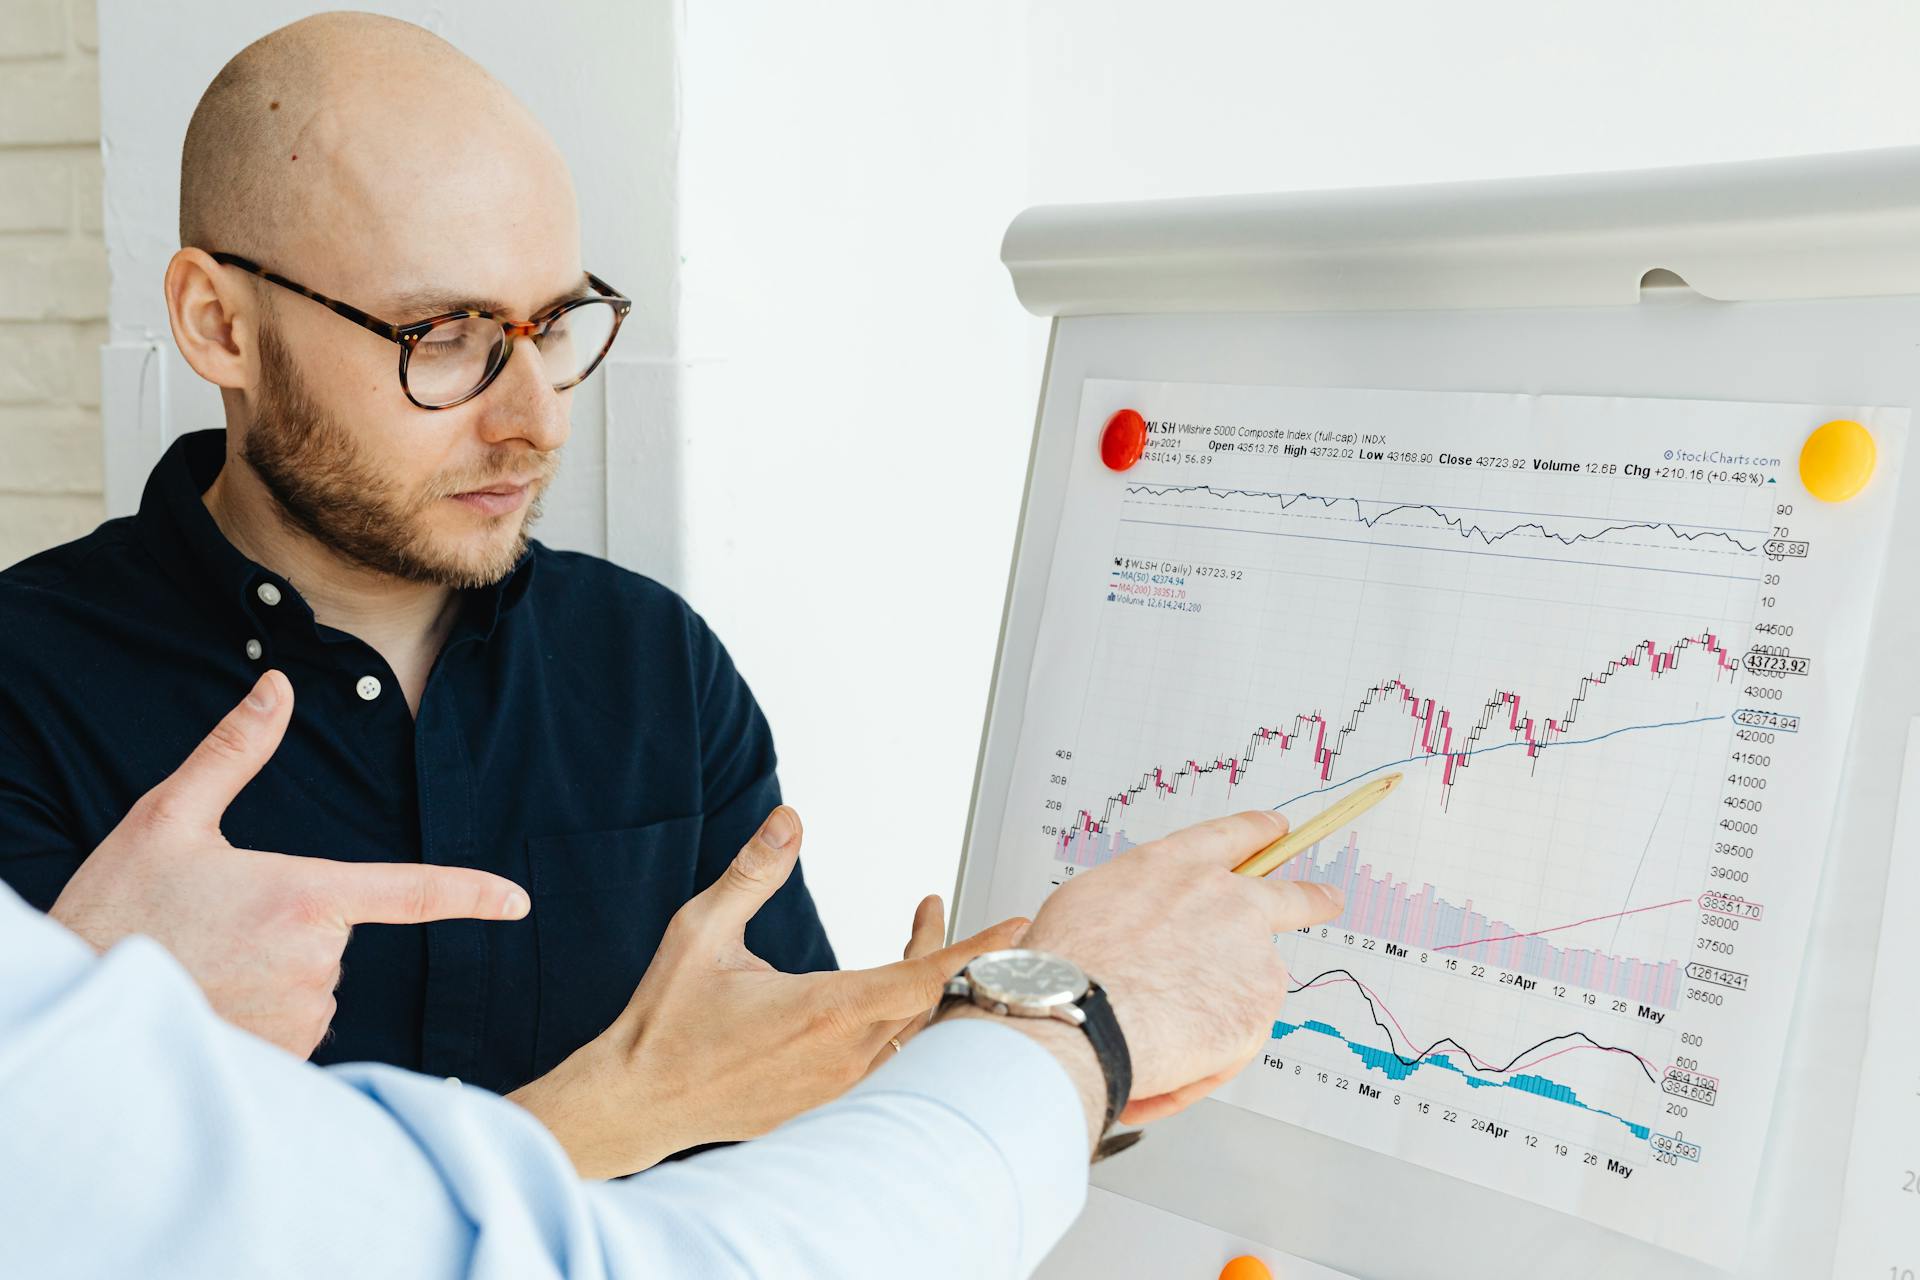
(1020, 983)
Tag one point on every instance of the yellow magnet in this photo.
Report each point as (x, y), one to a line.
(1246, 1267)
(1837, 460)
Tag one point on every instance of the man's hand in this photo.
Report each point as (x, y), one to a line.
(716, 1045)
(1185, 951)
(262, 933)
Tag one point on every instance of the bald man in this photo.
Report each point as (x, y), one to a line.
(382, 274)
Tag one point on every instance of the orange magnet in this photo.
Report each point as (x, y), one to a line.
(1246, 1267)
(1124, 440)
(1837, 460)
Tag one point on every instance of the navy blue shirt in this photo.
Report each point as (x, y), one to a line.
(582, 733)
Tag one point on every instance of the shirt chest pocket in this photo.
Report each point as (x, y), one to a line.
(601, 901)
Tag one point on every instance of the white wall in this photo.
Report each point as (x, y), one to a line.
(1137, 99)
(858, 410)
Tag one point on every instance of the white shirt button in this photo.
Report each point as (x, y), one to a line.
(254, 650)
(268, 593)
(368, 688)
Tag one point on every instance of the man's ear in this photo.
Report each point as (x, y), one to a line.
(214, 315)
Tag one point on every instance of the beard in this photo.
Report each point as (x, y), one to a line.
(325, 486)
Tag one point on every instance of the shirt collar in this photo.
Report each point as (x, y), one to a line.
(177, 528)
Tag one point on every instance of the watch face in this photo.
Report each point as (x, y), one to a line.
(1027, 979)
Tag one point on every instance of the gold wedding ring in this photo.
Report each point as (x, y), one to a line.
(895, 1042)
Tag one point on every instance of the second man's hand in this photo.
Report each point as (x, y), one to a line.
(1184, 948)
(716, 1045)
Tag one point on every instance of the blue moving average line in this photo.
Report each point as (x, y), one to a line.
(1458, 524)
(1390, 1066)
(1543, 748)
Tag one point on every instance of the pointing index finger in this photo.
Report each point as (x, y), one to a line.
(909, 987)
(1296, 904)
(417, 893)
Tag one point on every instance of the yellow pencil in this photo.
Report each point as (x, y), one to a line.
(1319, 826)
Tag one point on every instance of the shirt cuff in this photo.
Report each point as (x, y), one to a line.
(1021, 1100)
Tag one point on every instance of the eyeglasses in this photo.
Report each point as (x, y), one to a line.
(447, 360)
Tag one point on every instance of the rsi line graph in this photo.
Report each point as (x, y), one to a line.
(1520, 1072)
(1562, 1043)
(1422, 920)
(1487, 534)
(1091, 839)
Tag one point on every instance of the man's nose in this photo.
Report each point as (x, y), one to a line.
(522, 404)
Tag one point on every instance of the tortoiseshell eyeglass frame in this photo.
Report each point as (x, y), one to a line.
(408, 335)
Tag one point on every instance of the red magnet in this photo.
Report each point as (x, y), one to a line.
(1124, 440)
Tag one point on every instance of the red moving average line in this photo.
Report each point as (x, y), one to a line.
(1534, 933)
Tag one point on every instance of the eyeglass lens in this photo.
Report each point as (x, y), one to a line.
(451, 360)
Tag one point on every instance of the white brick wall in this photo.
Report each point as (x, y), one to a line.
(53, 275)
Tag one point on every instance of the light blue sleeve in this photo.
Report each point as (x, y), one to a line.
(141, 1135)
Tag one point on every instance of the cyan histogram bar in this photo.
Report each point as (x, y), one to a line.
(1394, 1068)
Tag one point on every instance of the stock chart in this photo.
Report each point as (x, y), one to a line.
(1613, 646)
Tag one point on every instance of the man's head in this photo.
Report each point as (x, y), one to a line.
(372, 162)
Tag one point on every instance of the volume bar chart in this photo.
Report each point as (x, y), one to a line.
(1421, 920)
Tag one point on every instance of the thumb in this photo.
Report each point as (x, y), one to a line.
(200, 790)
(1139, 1111)
(755, 874)
(929, 927)
(1228, 840)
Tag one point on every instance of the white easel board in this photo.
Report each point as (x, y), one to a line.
(1527, 297)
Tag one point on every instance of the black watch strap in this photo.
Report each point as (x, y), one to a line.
(1116, 1064)
(1110, 1047)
